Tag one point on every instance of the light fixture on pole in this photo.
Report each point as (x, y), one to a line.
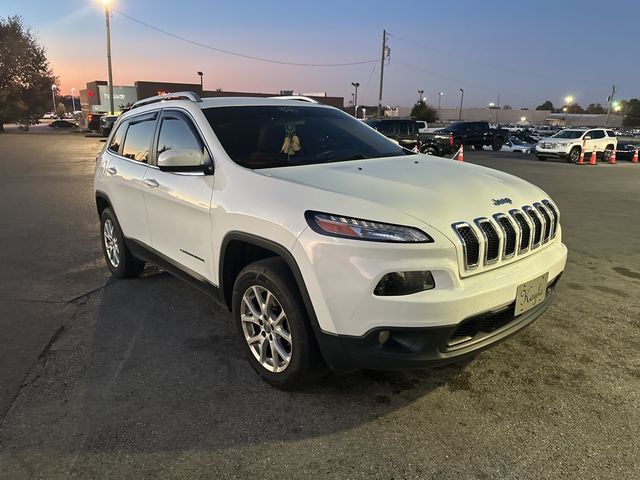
(355, 97)
(107, 13)
(200, 74)
(461, 100)
(53, 97)
(420, 92)
(440, 94)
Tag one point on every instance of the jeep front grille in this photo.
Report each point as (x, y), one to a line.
(487, 241)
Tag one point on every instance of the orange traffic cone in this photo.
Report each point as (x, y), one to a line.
(461, 154)
(612, 157)
(635, 157)
(581, 158)
(592, 159)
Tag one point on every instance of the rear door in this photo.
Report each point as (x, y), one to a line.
(178, 202)
(128, 154)
(599, 140)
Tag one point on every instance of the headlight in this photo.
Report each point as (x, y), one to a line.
(357, 229)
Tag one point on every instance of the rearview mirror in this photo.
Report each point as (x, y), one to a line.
(177, 159)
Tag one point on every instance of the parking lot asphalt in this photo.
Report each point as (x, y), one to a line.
(144, 378)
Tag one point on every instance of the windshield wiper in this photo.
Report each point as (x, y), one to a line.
(356, 156)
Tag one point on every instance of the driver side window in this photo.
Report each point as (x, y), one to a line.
(175, 133)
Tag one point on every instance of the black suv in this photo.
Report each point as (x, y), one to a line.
(407, 133)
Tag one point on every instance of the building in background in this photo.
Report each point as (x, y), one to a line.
(95, 98)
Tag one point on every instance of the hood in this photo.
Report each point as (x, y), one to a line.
(435, 190)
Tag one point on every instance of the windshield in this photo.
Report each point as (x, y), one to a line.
(569, 134)
(281, 136)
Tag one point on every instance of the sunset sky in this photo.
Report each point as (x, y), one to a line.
(525, 51)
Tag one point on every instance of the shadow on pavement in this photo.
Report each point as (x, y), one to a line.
(163, 371)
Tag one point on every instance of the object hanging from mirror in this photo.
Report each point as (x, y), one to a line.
(291, 143)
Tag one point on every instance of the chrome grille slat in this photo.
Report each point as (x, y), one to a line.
(470, 244)
(491, 240)
(546, 235)
(556, 216)
(536, 220)
(510, 235)
(506, 236)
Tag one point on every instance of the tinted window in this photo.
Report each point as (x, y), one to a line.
(611, 133)
(388, 128)
(569, 134)
(421, 124)
(138, 140)
(175, 133)
(596, 134)
(279, 136)
(116, 140)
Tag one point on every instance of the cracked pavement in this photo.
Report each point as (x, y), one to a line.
(144, 378)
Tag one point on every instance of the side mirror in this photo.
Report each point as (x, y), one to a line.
(178, 159)
(587, 137)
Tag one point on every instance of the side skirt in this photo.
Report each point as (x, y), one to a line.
(148, 254)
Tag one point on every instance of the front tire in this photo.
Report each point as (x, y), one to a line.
(273, 326)
(119, 259)
(574, 155)
(497, 144)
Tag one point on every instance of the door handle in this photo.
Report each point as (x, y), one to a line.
(112, 170)
(151, 182)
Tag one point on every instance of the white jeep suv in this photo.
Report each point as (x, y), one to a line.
(330, 244)
(569, 143)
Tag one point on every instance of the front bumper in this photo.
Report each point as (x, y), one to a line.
(408, 348)
(543, 152)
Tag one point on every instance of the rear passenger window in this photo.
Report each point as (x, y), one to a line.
(138, 140)
(597, 134)
(116, 140)
(611, 133)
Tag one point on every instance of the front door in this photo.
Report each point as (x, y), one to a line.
(178, 203)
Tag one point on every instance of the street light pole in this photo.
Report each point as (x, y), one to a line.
(73, 98)
(53, 97)
(440, 99)
(461, 100)
(106, 16)
(201, 83)
(420, 92)
(355, 98)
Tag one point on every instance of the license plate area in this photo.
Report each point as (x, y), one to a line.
(531, 293)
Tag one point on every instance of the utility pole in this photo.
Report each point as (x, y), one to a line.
(106, 16)
(461, 100)
(613, 92)
(383, 56)
(498, 110)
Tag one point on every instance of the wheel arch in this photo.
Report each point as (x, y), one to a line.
(239, 249)
(102, 202)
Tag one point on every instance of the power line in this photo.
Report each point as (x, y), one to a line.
(236, 54)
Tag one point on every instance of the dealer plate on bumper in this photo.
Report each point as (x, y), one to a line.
(530, 294)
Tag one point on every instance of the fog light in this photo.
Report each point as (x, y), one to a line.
(404, 283)
(383, 336)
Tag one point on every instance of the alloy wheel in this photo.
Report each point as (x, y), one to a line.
(111, 243)
(266, 328)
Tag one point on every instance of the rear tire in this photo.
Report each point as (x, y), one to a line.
(430, 151)
(273, 326)
(497, 144)
(119, 259)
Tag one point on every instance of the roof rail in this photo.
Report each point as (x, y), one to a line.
(193, 96)
(300, 98)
